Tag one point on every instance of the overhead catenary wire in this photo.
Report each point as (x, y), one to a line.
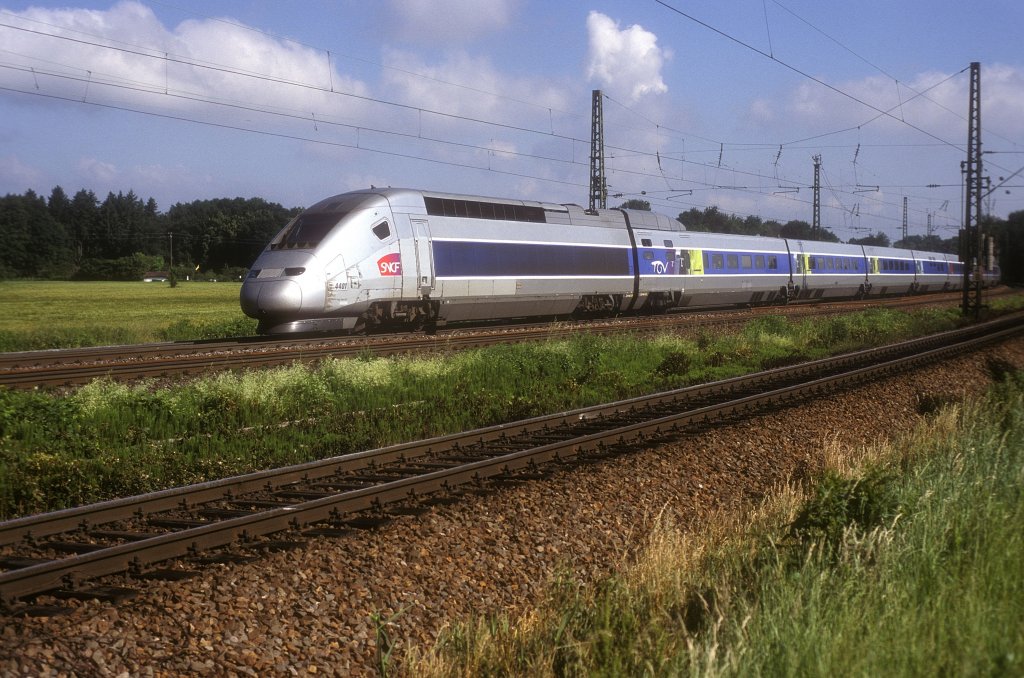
(657, 155)
(157, 54)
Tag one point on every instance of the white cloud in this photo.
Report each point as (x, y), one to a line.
(450, 21)
(466, 85)
(83, 55)
(933, 101)
(626, 62)
(14, 172)
(97, 171)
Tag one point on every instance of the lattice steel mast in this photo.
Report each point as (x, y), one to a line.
(598, 187)
(971, 250)
(816, 217)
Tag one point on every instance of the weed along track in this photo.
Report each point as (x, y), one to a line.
(61, 368)
(67, 553)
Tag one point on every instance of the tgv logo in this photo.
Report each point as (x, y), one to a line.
(390, 264)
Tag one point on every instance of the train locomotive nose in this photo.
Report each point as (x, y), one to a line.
(270, 297)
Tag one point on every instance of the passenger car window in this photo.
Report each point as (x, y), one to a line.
(717, 261)
(645, 242)
(745, 259)
(733, 261)
(382, 230)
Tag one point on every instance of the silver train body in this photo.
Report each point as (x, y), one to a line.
(410, 258)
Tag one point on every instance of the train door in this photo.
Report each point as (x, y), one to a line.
(424, 258)
(802, 265)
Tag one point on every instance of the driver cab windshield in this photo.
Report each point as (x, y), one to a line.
(313, 225)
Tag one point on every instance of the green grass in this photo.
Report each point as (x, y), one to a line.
(50, 314)
(906, 563)
(108, 440)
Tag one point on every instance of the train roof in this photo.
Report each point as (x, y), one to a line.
(554, 213)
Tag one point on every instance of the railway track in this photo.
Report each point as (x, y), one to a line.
(62, 368)
(64, 553)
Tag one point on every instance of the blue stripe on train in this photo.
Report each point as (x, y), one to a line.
(457, 259)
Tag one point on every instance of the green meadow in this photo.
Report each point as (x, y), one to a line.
(52, 314)
(107, 440)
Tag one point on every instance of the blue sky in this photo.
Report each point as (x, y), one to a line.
(706, 102)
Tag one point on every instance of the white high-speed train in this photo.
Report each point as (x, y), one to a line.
(408, 258)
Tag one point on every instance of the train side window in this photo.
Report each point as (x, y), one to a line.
(746, 261)
(717, 261)
(382, 230)
(649, 255)
(668, 243)
(733, 261)
(759, 262)
(773, 263)
(812, 264)
(645, 242)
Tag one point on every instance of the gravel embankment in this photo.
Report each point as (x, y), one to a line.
(313, 610)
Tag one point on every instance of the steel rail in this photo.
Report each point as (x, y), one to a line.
(69, 571)
(42, 525)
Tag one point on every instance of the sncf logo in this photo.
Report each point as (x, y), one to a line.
(390, 264)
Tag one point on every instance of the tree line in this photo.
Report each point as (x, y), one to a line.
(123, 236)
